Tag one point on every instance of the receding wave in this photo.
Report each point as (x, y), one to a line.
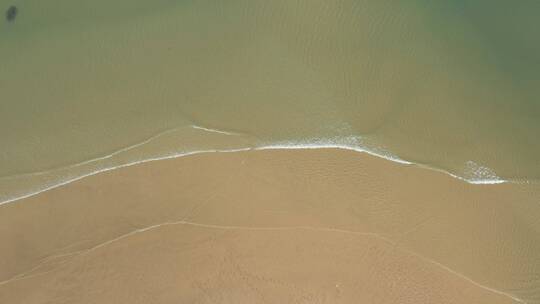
(25, 185)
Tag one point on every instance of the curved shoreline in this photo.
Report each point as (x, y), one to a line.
(277, 146)
(439, 218)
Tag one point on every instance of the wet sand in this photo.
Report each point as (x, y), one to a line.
(275, 226)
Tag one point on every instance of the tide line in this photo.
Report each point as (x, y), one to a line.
(350, 143)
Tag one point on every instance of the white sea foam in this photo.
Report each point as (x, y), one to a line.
(70, 180)
(345, 143)
(213, 130)
(475, 181)
(93, 160)
(473, 172)
(479, 173)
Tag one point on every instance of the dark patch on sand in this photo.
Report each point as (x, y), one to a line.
(11, 13)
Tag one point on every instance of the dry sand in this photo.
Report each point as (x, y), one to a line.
(281, 226)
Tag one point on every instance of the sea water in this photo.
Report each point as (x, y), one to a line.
(88, 86)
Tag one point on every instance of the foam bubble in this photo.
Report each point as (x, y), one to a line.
(473, 172)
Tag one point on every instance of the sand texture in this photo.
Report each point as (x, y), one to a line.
(276, 226)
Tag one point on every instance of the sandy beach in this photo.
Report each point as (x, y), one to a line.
(276, 226)
(254, 151)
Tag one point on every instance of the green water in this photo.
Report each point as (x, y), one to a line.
(452, 85)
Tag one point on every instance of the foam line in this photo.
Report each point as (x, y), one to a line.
(313, 144)
(385, 156)
(332, 146)
(125, 149)
(70, 180)
(213, 130)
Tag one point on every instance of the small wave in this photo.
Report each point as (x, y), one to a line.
(478, 174)
(93, 160)
(119, 151)
(353, 143)
(473, 172)
(214, 130)
(102, 170)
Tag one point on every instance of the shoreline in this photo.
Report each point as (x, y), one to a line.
(276, 146)
(264, 196)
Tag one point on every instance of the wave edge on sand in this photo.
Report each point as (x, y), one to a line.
(479, 174)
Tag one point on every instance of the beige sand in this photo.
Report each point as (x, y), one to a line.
(296, 226)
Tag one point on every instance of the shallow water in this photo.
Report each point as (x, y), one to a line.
(452, 86)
